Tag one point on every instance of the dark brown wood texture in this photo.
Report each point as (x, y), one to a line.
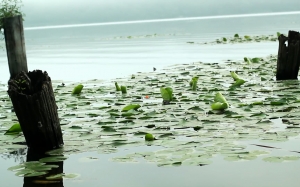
(288, 56)
(34, 104)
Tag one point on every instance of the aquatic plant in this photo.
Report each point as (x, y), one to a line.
(149, 137)
(117, 87)
(187, 132)
(238, 81)
(239, 39)
(9, 8)
(77, 90)
(14, 129)
(167, 95)
(123, 89)
(193, 83)
(220, 103)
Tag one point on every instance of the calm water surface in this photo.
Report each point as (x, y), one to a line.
(104, 172)
(106, 52)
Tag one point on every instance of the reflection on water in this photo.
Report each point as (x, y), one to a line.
(220, 173)
(19, 155)
(40, 181)
(101, 171)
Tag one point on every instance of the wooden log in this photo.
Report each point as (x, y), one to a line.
(34, 104)
(288, 56)
(15, 45)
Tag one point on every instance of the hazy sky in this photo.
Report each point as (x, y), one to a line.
(57, 12)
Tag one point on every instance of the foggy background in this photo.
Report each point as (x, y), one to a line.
(59, 12)
(106, 51)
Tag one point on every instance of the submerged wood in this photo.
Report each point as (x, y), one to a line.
(39, 181)
(15, 45)
(288, 56)
(34, 104)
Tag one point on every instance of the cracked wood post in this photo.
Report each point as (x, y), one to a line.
(15, 45)
(34, 104)
(288, 56)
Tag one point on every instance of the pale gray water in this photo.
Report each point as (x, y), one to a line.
(92, 52)
(103, 172)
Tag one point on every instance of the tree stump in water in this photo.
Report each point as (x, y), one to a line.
(288, 56)
(34, 104)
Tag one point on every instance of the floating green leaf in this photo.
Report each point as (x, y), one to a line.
(255, 60)
(53, 159)
(71, 175)
(237, 83)
(117, 87)
(219, 106)
(166, 93)
(247, 37)
(149, 137)
(193, 83)
(281, 158)
(220, 103)
(32, 169)
(77, 89)
(14, 129)
(247, 60)
(278, 34)
(131, 107)
(62, 175)
(234, 76)
(123, 89)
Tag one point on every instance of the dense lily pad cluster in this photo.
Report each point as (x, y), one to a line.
(187, 131)
(242, 39)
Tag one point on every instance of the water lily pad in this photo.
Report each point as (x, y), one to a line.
(131, 107)
(77, 89)
(14, 129)
(149, 137)
(53, 159)
(166, 93)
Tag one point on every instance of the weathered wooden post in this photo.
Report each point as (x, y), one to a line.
(288, 56)
(34, 104)
(31, 93)
(15, 45)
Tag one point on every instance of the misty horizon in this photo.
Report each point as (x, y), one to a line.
(40, 13)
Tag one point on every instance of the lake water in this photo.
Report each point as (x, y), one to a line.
(103, 172)
(106, 52)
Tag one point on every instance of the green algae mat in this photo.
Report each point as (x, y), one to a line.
(213, 109)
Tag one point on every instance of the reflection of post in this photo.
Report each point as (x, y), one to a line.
(42, 181)
(288, 56)
(15, 45)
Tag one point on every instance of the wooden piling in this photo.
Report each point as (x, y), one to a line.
(288, 56)
(15, 45)
(34, 104)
